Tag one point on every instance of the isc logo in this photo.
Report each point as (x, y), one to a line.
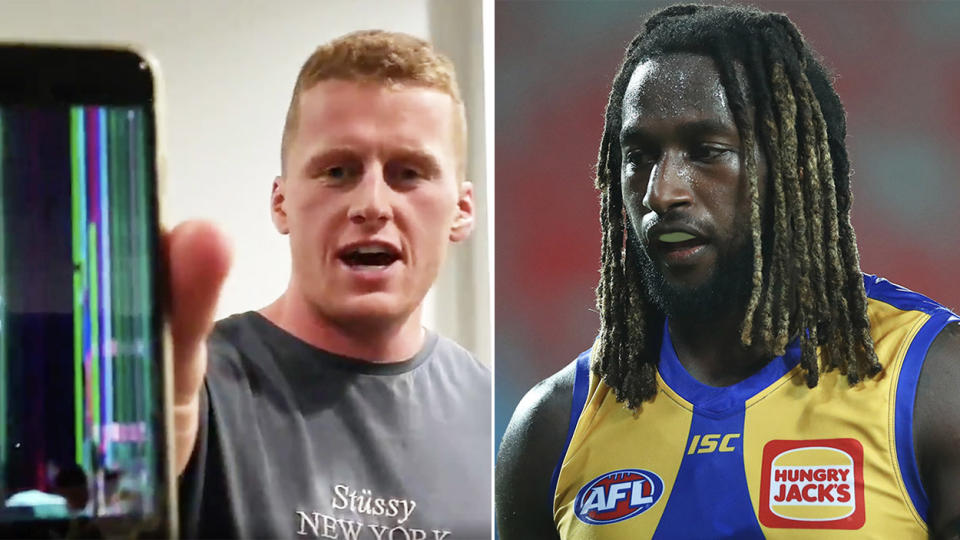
(617, 495)
(816, 484)
(723, 442)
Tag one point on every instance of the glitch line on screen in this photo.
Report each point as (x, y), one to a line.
(106, 307)
(93, 354)
(78, 208)
(93, 288)
(142, 295)
(122, 284)
(139, 180)
(117, 283)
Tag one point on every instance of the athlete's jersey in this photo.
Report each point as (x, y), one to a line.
(766, 457)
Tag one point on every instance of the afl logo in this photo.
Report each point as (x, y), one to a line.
(618, 495)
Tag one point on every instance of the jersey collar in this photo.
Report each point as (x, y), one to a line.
(721, 400)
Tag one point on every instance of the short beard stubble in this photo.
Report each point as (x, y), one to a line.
(726, 290)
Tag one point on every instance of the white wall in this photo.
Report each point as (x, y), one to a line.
(464, 289)
(228, 70)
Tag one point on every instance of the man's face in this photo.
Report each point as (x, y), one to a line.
(371, 198)
(685, 192)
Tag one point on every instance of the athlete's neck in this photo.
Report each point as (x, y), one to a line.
(381, 341)
(712, 353)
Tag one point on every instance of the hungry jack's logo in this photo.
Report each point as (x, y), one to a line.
(814, 484)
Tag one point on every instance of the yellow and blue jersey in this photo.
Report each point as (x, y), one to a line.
(766, 457)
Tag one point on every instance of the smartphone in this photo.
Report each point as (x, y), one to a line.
(84, 380)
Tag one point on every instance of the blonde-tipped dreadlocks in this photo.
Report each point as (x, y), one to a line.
(808, 286)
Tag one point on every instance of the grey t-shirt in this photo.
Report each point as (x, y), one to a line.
(297, 442)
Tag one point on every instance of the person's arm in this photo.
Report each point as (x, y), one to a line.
(531, 448)
(937, 432)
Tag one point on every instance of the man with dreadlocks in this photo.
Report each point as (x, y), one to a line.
(748, 380)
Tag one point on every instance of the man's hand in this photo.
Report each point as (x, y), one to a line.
(198, 260)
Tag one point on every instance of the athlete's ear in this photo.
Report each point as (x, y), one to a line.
(277, 200)
(463, 221)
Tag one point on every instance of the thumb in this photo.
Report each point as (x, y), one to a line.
(198, 262)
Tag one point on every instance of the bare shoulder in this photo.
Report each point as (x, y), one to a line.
(541, 416)
(531, 448)
(937, 430)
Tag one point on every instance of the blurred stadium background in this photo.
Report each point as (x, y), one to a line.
(899, 77)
